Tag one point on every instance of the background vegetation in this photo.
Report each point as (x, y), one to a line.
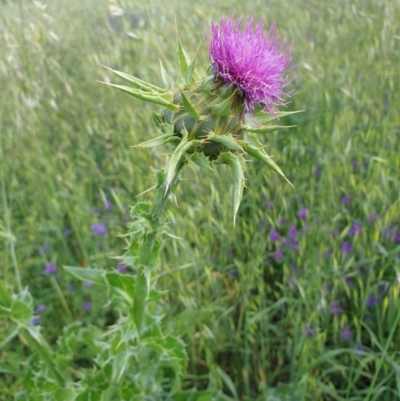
(300, 299)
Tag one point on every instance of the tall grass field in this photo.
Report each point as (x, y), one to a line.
(300, 299)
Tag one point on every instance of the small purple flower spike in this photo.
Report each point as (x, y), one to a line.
(370, 301)
(87, 284)
(346, 247)
(346, 199)
(35, 321)
(71, 287)
(346, 333)
(121, 269)
(292, 232)
(309, 331)
(302, 213)
(50, 269)
(87, 305)
(355, 229)
(273, 235)
(335, 308)
(99, 229)
(40, 309)
(254, 61)
(278, 254)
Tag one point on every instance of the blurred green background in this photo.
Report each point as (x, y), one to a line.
(312, 315)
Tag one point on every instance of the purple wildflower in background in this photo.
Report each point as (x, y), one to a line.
(35, 321)
(121, 269)
(373, 217)
(384, 288)
(45, 248)
(274, 235)
(370, 301)
(87, 305)
(233, 272)
(302, 213)
(346, 333)
(346, 247)
(294, 268)
(359, 349)
(87, 284)
(99, 229)
(335, 308)
(278, 254)
(71, 287)
(40, 309)
(397, 237)
(254, 61)
(50, 269)
(309, 331)
(355, 229)
(346, 199)
(282, 221)
(348, 282)
(67, 231)
(355, 164)
(292, 232)
(317, 171)
(388, 232)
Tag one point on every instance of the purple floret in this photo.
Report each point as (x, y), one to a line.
(253, 60)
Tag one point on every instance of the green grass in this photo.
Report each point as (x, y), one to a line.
(65, 143)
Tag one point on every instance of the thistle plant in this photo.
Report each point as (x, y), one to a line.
(209, 119)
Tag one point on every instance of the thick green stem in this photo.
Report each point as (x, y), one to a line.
(158, 208)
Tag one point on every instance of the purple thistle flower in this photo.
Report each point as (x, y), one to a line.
(50, 269)
(40, 309)
(253, 60)
(346, 247)
(274, 235)
(302, 213)
(121, 269)
(87, 284)
(373, 217)
(35, 321)
(278, 254)
(335, 308)
(87, 305)
(99, 229)
(346, 199)
(346, 333)
(355, 229)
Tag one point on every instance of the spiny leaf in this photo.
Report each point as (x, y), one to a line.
(201, 160)
(264, 129)
(222, 109)
(227, 140)
(158, 141)
(236, 163)
(183, 58)
(164, 76)
(136, 82)
(177, 156)
(148, 97)
(255, 148)
(261, 117)
(189, 107)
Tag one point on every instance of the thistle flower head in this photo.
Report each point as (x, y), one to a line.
(252, 60)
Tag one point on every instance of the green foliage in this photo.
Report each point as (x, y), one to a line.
(254, 326)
